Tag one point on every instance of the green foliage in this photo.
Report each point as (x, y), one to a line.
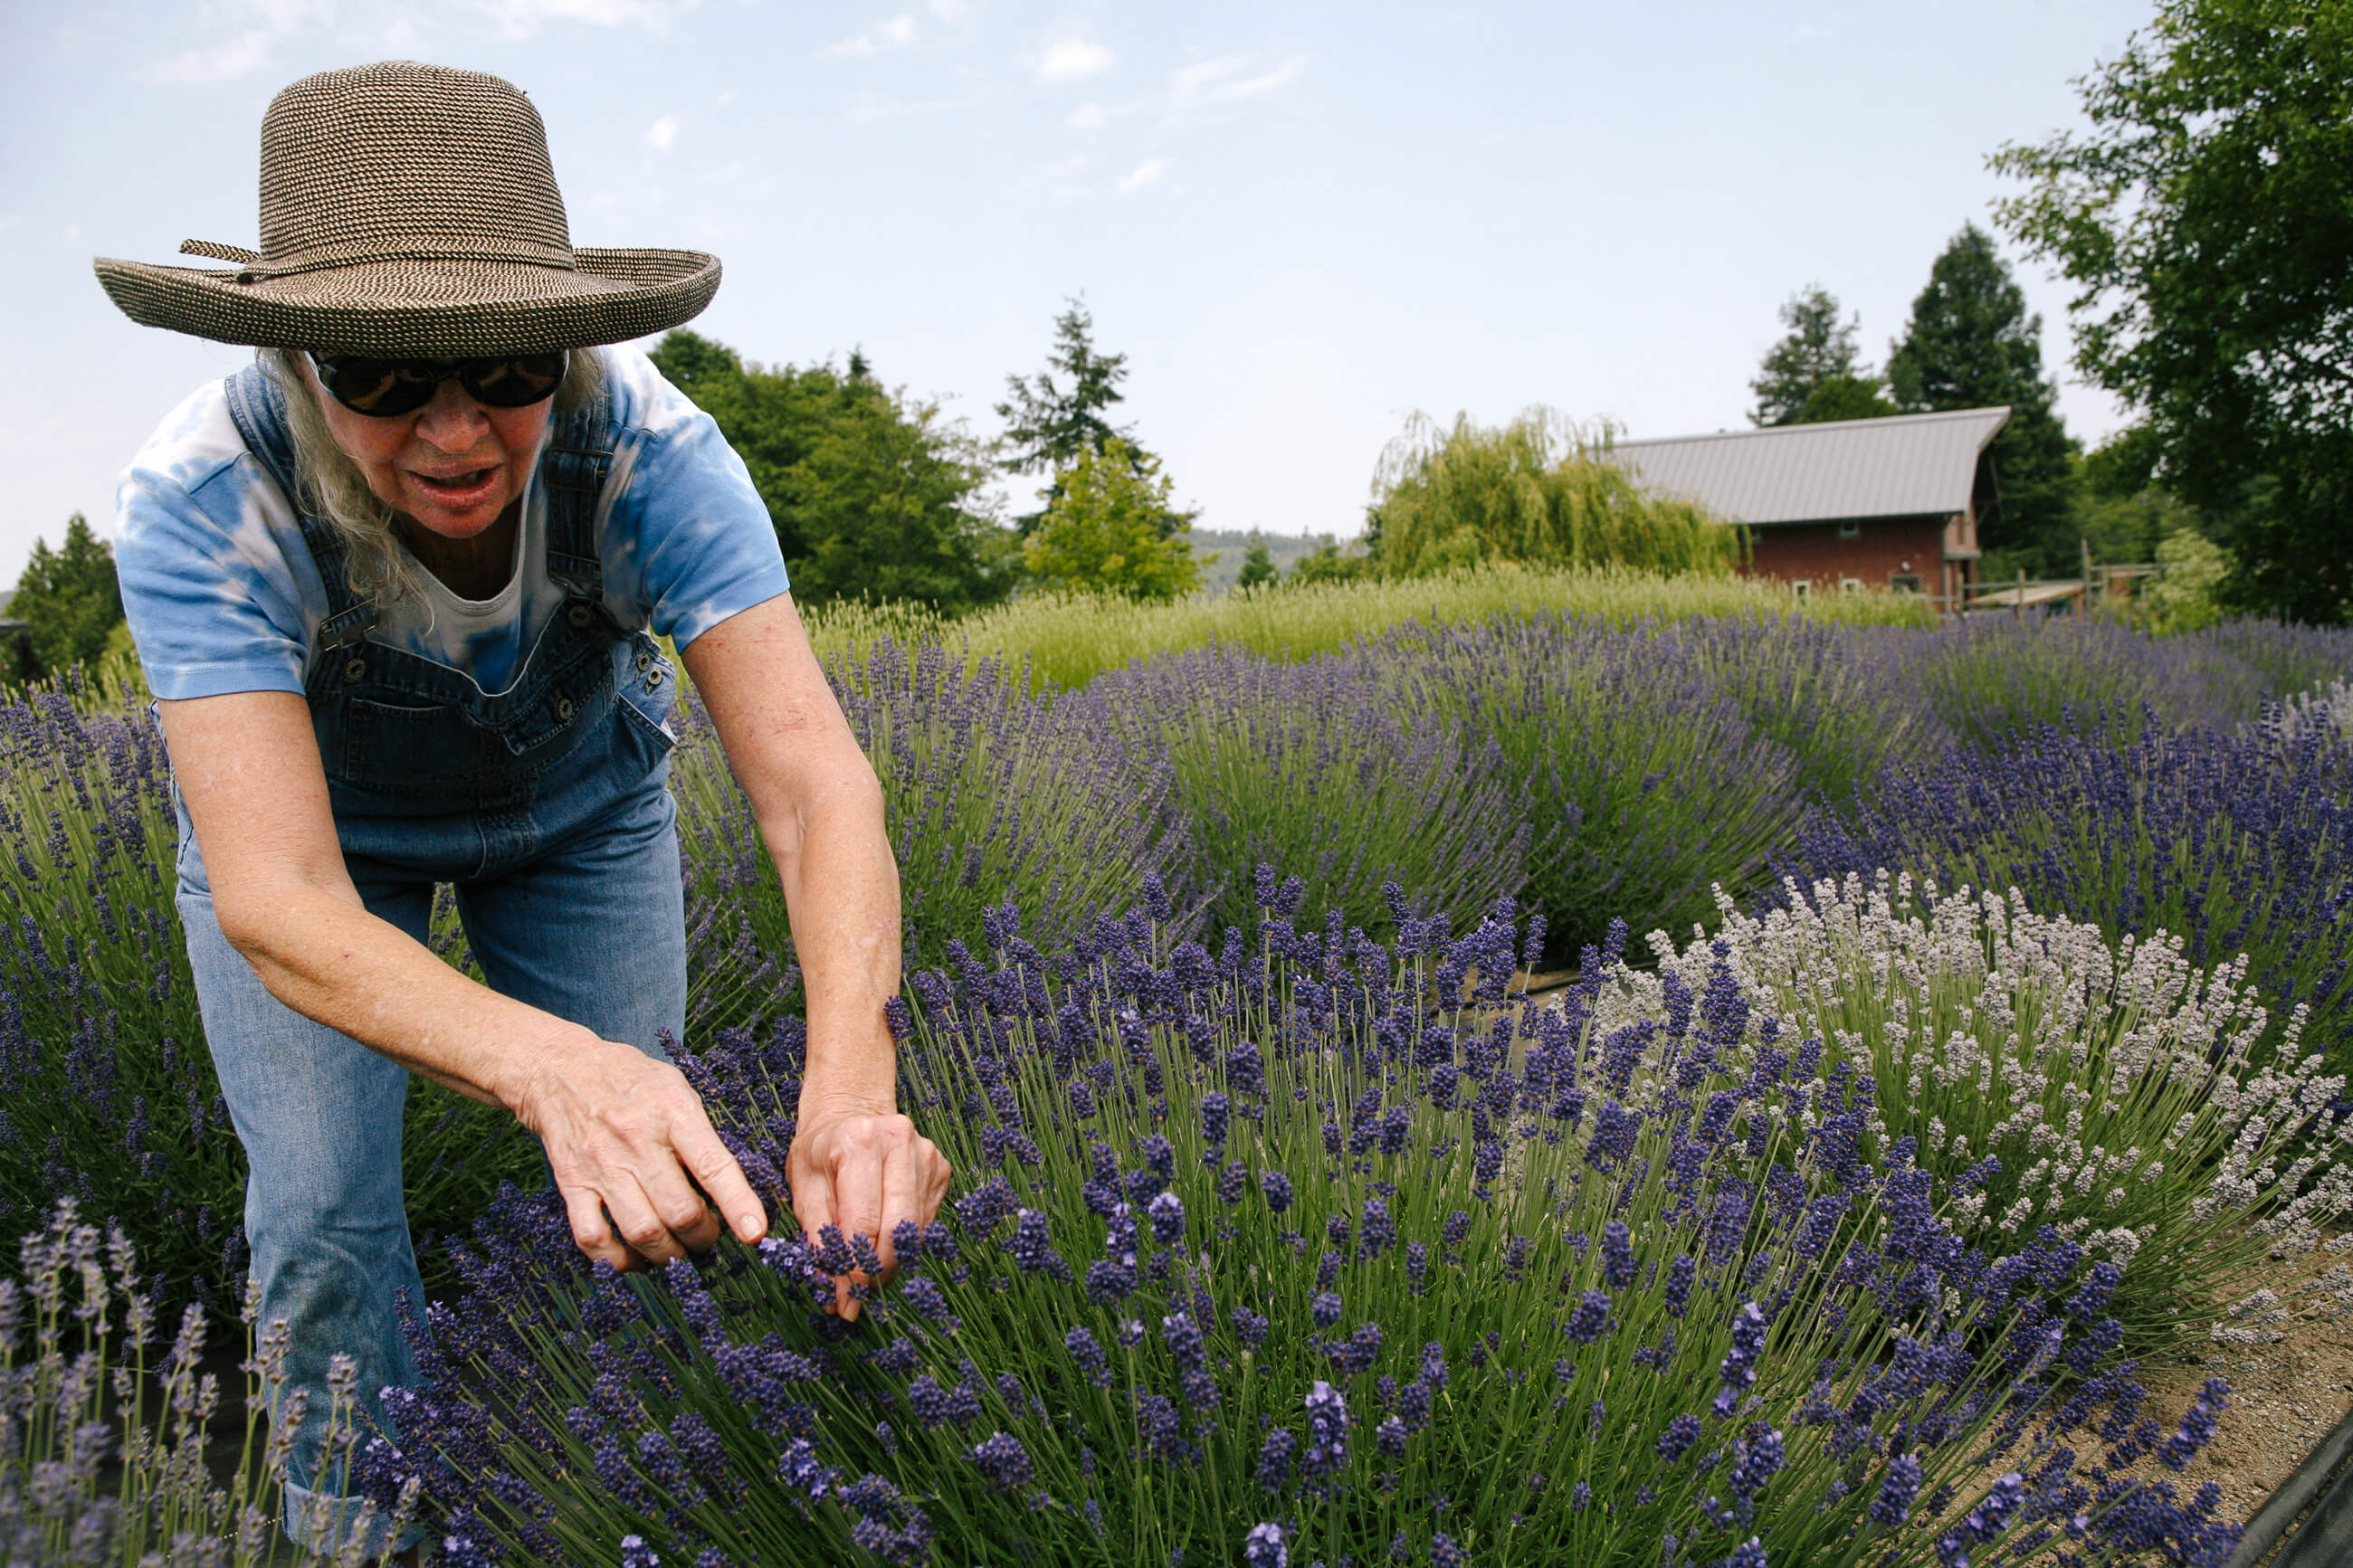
(1326, 563)
(1050, 425)
(1844, 397)
(1971, 343)
(1102, 534)
(1257, 565)
(1067, 640)
(2183, 600)
(1537, 491)
(69, 602)
(2205, 221)
(873, 495)
(1818, 354)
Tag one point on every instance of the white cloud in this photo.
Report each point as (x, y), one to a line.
(1265, 81)
(724, 99)
(401, 40)
(895, 33)
(1073, 56)
(662, 133)
(1144, 173)
(1220, 80)
(71, 235)
(1088, 117)
(950, 10)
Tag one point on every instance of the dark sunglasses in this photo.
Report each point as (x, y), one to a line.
(384, 388)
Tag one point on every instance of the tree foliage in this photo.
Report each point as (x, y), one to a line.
(1258, 565)
(1815, 373)
(1102, 533)
(1972, 343)
(2206, 221)
(873, 494)
(1051, 424)
(1538, 492)
(69, 602)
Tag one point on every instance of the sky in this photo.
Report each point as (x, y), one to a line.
(1301, 222)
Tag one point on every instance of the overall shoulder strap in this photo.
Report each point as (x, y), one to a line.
(259, 410)
(573, 468)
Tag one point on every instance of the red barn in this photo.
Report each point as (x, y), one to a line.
(1851, 505)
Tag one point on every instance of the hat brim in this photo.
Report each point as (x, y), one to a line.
(423, 308)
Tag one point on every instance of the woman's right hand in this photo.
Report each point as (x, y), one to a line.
(636, 1158)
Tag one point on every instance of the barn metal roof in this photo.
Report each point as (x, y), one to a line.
(1906, 465)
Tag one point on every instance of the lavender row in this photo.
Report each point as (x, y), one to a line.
(1287, 1249)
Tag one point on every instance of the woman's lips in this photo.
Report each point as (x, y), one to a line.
(459, 491)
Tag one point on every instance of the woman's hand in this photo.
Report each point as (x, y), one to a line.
(624, 1134)
(865, 1171)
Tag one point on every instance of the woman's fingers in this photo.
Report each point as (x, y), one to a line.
(714, 1169)
(590, 1230)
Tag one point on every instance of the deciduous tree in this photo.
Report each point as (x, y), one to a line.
(1050, 424)
(873, 494)
(2206, 220)
(1101, 534)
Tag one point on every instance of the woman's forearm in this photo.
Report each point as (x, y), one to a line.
(841, 893)
(326, 957)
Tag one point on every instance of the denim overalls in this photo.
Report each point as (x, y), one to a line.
(544, 804)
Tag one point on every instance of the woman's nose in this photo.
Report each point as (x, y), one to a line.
(453, 421)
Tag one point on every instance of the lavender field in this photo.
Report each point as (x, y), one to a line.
(1990, 1043)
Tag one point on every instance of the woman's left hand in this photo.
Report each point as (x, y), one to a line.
(865, 1171)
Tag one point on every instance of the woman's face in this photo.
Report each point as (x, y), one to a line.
(453, 465)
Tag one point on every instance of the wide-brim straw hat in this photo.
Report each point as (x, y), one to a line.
(410, 210)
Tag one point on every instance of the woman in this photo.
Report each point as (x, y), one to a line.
(393, 588)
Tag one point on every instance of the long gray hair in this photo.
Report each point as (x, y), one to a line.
(336, 492)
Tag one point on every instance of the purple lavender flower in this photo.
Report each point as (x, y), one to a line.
(2198, 1426)
(1183, 1339)
(1617, 1255)
(1899, 1488)
(1264, 1547)
(1590, 1320)
(1375, 1231)
(1677, 1439)
(1250, 1327)
(1328, 1430)
(1031, 1252)
(1273, 1470)
(1088, 1354)
(1217, 1112)
(635, 1553)
(1167, 1215)
(1001, 1458)
(1444, 1554)
(1679, 1275)
(1277, 1188)
(1325, 1309)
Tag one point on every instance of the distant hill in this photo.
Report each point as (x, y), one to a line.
(1284, 549)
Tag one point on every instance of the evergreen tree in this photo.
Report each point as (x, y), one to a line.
(1049, 425)
(69, 602)
(1258, 565)
(1972, 343)
(872, 494)
(1813, 374)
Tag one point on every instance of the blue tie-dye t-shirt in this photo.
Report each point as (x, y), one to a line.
(222, 595)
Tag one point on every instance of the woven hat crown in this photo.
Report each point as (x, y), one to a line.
(401, 159)
(410, 209)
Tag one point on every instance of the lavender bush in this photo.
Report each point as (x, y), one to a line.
(1315, 770)
(1988, 681)
(2050, 1077)
(107, 1092)
(103, 1454)
(1292, 1252)
(992, 794)
(2231, 842)
(1643, 782)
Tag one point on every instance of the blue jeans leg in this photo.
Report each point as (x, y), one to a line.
(319, 1117)
(593, 930)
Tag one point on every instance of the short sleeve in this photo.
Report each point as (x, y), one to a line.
(699, 536)
(213, 604)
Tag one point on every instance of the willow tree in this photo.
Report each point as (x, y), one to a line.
(1541, 491)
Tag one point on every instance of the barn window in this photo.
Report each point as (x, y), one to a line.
(1906, 582)
(1849, 530)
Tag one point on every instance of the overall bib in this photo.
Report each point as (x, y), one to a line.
(545, 805)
